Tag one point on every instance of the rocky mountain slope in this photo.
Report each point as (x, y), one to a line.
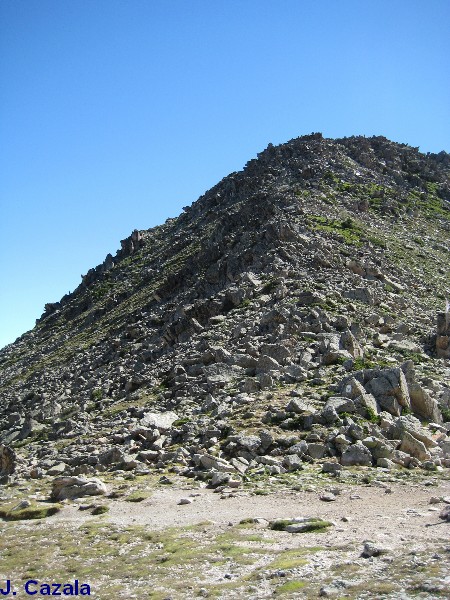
(292, 314)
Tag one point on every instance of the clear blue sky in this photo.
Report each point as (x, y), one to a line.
(115, 114)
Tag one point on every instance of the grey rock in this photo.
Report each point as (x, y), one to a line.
(414, 447)
(218, 479)
(292, 462)
(299, 448)
(372, 549)
(300, 406)
(411, 425)
(340, 404)
(356, 454)
(7, 460)
(327, 497)
(266, 364)
(316, 450)
(75, 487)
(161, 421)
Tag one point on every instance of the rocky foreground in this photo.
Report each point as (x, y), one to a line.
(289, 329)
(378, 535)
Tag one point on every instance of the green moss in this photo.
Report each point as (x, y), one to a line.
(269, 286)
(180, 422)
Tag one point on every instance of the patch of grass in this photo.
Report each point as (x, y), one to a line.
(445, 414)
(416, 357)
(100, 510)
(290, 587)
(290, 559)
(180, 422)
(137, 496)
(280, 524)
(348, 229)
(96, 394)
(363, 363)
(307, 527)
(35, 511)
(371, 415)
(269, 286)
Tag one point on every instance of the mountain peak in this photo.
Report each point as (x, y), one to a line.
(317, 272)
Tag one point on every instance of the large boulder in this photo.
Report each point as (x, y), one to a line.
(76, 487)
(390, 389)
(7, 460)
(423, 405)
(443, 335)
(111, 456)
(412, 426)
(348, 342)
(356, 454)
(364, 402)
(414, 447)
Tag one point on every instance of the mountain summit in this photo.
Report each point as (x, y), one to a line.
(289, 315)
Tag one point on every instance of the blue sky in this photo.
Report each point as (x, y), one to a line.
(115, 114)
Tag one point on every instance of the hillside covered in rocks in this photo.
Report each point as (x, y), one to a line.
(295, 313)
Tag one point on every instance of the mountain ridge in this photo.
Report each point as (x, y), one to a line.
(317, 247)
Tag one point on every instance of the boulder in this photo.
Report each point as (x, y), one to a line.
(423, 405)
(356, 454)
(443, 335)
(348, 342)
(278, 352)
(111, 456)
(414, 447)
(266, 364)
(379, 448)
(207, 461)
(75, 487)
(7, 460)
(316, 450)
(411, 425)
(299, 406)
(292, 462)
(251, 443)
(362, 294)
(390, 390)
(364, 402)
(298, 448)
(161, 421)
(340, 404)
